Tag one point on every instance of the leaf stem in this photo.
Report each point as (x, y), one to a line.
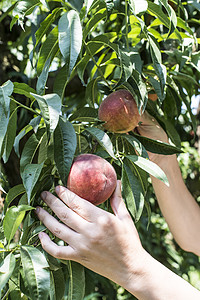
(26, 107)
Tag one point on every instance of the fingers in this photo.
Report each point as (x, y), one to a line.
(81, 207)
(117, 203)
(58, 229)
(64, 213)
(60, 252)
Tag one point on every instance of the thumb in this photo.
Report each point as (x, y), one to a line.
(117, 203)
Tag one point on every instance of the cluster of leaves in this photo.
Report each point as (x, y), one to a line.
(97, 46)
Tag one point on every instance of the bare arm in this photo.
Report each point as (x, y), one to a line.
(179, 208)
(109, 245)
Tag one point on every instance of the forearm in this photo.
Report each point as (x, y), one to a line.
(156, 282)
(179, 208)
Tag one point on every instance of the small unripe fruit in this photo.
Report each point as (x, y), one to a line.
(92, 178)
(152, 96)
(119, 112)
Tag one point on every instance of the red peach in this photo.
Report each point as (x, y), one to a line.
(92, 178)
(119, 112)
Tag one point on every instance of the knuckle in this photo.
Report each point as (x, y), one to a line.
(75, 206)
(71, 201)
(63, 217)
(105, 222)
(56, 231)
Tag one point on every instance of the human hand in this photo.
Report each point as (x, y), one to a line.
(150, 128)
(103, 242)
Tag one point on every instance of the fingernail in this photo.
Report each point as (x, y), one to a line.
(57, 189)
(44, 195)
(40, 235)
(37, 210)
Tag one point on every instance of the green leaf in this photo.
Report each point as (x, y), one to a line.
(171, 14)
(20, 135)
(157, 11)
(132, 191)
(23, 89)
(93, 47)
(76, 4)
(76, 281)
(160, 69)
(10, 135)
(155, 146)
(44, 26)
(29, 151)
(65, 143)
(88, 4)
(136, 144)
(13, 219)
(149, 167)
(30, 177)
(93, 22)
(36, 272)
(24, 8)
(57, 285)
(13, 193)
(7, 267)
(140, 90)
(5, 92)
(103, 139)
(70, 37)
(91, 93)
(43, 149)
(85, 114)
(138, 6)
(50, 106)
(61, 81)
(48, 50)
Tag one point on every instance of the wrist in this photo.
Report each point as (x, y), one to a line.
(135, 280)
(168, 163)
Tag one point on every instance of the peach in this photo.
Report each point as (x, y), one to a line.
(92, 178)
(119, 112)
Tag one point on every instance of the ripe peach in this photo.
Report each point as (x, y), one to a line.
(119, 111)
(92, 178)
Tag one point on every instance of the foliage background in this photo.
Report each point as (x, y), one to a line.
(138, 45)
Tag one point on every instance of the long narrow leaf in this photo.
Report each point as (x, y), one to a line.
(64, 148)
(70, 37)
(36, 272)
(149, 167)
(103, 139)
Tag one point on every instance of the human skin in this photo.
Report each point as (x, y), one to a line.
(108, 244)
(179, 208)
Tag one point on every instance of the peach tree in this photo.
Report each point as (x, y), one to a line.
(63, 58)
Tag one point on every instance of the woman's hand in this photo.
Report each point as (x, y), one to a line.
(150, 128)
(103, 242)
(109, 245)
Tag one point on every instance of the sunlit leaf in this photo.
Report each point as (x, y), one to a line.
(13, 219)
(70, 37)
